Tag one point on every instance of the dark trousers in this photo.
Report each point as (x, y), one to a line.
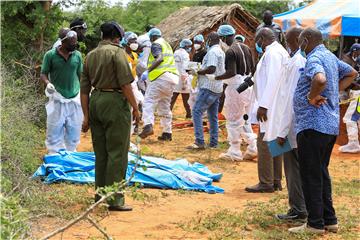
(269, 168)
(110, 120)
(185, 98)
(293, 181)
(314, 155)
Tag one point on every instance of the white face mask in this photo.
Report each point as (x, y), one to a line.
(197, 46)
(134, 46)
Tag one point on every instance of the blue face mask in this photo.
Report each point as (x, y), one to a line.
(302, 52)
(188, 50)
(141, 54)
(258, 48)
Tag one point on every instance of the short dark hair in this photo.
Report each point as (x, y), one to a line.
(109, 30)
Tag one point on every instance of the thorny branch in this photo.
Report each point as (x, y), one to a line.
(85, 214)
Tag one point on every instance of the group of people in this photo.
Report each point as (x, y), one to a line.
(294, 100)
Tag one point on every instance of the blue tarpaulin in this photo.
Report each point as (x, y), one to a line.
(79, 167)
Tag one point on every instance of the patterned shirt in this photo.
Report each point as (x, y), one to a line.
(214, 57)
(324, 119)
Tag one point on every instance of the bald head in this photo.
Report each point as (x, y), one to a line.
(292, 38)
(266, 34)
(62, 32)
(310, 38)
(268, 17)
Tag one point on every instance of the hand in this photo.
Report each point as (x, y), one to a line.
(50, 88)
(261, 114)
(136, 116)
(317, 101)
(144, 75)
(193, 72)
(211, 77)
(85, 125)
(281, 141)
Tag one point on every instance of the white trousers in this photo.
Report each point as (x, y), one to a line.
(158, 97)
(352, 127)
(235, 106)
(64, 120)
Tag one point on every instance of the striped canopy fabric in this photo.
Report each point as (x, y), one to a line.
(333, 18)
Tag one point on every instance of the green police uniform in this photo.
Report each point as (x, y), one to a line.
(107, 69)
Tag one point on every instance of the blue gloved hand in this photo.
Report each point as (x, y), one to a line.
(144, 75)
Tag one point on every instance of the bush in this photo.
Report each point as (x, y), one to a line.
(21, 140)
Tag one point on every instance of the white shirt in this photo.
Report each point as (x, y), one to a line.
(294, 67)
(182, 60)
(214, 57)
(269, 75)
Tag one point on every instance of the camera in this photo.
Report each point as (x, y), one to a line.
(245, 85)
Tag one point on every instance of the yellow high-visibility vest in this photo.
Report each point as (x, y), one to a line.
(168, 63)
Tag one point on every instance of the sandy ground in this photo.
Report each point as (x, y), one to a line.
(158, 218)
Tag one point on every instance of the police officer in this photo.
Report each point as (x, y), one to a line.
(108, 112)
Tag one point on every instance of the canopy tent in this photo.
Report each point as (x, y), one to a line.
(333, 18)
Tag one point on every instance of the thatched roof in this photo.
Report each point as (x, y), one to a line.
(190, 21)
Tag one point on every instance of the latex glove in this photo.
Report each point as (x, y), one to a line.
(50, 88)
(144, 75)
(211, 77)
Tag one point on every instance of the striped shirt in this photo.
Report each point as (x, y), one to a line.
(214, 57)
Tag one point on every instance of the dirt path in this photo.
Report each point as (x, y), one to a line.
(158, 216)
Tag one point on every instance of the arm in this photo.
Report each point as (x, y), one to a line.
(347, 79)
(45, 69)
(156, 50)
(129, 95)
(158, 60)
(85, 88)
(208, 70)
(230, 65)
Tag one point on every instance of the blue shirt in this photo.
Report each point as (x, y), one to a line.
(214, 57)
(324, 119)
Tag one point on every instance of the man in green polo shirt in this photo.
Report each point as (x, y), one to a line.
(108, 113)
(60, 71)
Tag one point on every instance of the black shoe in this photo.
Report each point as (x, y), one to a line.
(277, 187)
(292, 216)
(147, 131)
(260, 188)
(165, 137)
(123, 208)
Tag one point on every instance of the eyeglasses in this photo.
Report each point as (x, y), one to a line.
(84, 26)
(69, 34)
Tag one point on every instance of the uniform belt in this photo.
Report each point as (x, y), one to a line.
(109, 90)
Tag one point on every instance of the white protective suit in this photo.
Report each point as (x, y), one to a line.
(182, 60)
(158, 96)
(287, 90)
(270, 75)
(352, 127)
(64, 120)
(235, 106)
(141, 67)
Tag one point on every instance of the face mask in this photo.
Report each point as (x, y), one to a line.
(141, 54)
(134, 46)
(354, 59)
(258, 48)
(197, 46)
(71, 48)
(302, 50)
(207, 46)
(188, 50)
